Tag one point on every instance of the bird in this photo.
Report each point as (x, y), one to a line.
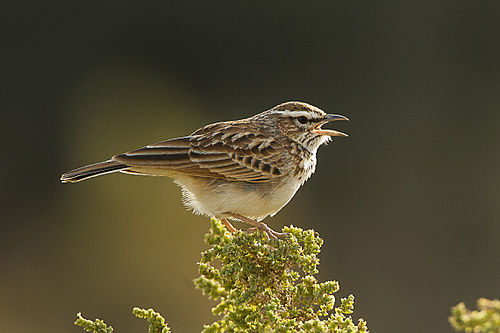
(244, 170)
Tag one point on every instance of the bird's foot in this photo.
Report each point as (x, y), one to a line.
(270, 232)
(262, 226)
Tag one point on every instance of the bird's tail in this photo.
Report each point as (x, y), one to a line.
(92, 170)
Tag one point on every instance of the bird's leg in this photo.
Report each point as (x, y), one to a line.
(261, 226)
(229, 225)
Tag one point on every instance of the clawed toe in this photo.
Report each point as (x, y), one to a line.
(270, 233)
(274, 234)
(251, 230)
(281, 235)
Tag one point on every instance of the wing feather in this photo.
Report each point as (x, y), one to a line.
(230, 151)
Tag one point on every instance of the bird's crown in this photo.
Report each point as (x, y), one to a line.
(297, 109)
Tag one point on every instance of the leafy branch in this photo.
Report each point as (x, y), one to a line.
(156, 322)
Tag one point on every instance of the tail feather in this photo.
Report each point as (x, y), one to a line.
(92, 170)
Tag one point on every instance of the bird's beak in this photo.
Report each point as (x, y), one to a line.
(329, 117)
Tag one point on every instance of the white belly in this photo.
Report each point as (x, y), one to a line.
(219, 198)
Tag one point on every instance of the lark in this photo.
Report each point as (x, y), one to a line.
(244, 170)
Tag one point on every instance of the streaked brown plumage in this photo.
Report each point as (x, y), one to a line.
(246, 169)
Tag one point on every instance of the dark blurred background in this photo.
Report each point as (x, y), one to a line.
(408, 205)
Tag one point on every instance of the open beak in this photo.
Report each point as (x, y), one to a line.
(329, 117)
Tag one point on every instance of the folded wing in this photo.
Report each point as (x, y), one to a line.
(215, 151)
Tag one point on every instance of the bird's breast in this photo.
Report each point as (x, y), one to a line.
(304, 162)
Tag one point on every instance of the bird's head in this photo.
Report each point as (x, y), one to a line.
(302, 123)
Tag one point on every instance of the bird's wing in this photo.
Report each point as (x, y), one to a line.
(224, 151)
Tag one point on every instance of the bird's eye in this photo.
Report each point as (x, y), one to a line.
(302, 119)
